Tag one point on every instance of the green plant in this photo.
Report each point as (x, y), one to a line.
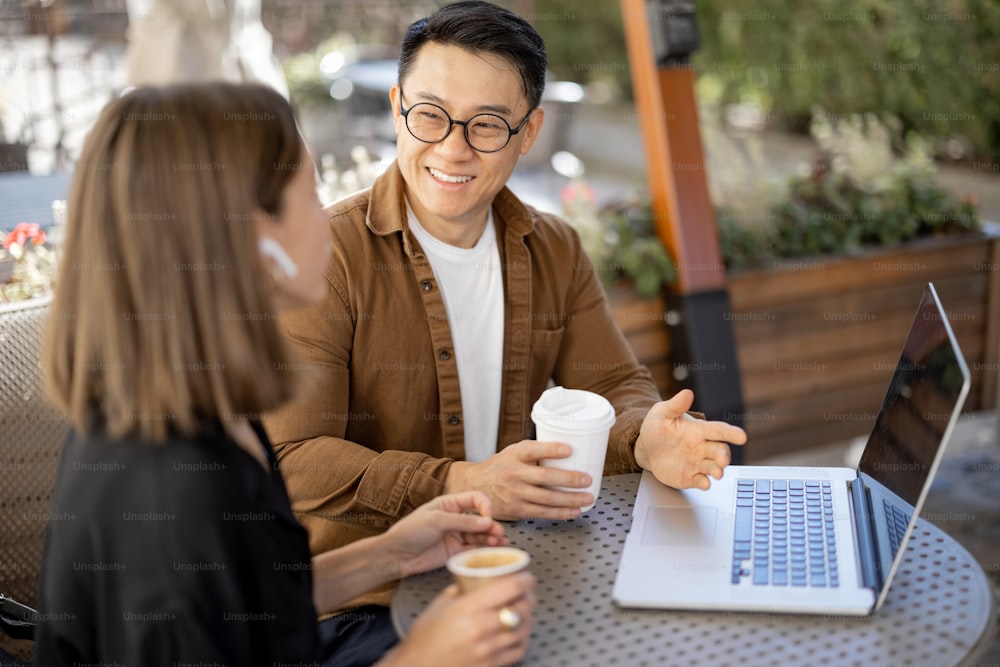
(933, 65)
(304, 84)
(34, 263)
(620, 239)
(639, 254)
(585, 42)
(866, 188)
(861, 191)
(309, 75)
(743, 245)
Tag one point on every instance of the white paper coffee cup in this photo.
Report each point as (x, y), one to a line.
(581, 419)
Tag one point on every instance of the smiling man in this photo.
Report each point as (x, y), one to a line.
(452, 305)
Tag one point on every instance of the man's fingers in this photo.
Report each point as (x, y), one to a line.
(723, 432)
(555, 498)
(720, 454)
(681, 403)
(540, 476)
(533, 451)
(677, 405)
(719, 432)
(710, 468)
(522, 488)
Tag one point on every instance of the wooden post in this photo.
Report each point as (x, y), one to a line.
(704, 349)
(665, 106)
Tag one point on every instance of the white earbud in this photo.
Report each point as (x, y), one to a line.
(271, 248)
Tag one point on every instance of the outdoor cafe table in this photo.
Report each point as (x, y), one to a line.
(940, 609)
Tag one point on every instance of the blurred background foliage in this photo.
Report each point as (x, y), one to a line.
(885, 87)
(863, 190)
(933, 65)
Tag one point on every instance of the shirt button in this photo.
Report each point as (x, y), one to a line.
(427, 285)
(453, 420)
(445, 355)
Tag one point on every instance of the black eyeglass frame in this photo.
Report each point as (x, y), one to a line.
(404, 112)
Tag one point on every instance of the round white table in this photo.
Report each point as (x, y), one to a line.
(940, 610)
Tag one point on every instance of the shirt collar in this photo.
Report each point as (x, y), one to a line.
(387, 211)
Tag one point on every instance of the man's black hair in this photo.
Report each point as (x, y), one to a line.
(482, 27)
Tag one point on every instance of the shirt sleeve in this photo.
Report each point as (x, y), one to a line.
(609, 366)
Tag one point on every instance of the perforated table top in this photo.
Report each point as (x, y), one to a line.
(939, 612)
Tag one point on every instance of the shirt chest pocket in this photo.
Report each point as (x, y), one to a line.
(545, 345)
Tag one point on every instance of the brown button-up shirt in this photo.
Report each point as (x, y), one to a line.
(379, 421)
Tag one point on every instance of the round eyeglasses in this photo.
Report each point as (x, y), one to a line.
(485, 132)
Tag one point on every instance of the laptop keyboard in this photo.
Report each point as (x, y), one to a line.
(897, 522)
(784, 533)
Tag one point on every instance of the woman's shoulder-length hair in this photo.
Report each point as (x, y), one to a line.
(163, 314)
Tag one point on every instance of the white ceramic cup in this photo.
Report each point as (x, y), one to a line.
(581, 419)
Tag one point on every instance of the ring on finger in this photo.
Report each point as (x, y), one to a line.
(510, 620)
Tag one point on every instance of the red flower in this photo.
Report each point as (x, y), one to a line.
(578, 189)
(23, 233)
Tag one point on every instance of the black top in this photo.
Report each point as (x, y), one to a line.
(182, 553)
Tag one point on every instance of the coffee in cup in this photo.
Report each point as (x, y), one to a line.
(477, 567)
(581, 419)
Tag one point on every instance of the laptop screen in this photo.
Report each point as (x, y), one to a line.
(926, 387)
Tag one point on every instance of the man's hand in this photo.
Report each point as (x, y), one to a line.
(437, 530)
(682, 451)
(516, 484)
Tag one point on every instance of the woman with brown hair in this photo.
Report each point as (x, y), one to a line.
(193, 220)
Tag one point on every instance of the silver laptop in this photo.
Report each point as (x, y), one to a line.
(805, 540)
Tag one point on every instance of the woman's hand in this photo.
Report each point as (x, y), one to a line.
(437, 530)
(457, 630)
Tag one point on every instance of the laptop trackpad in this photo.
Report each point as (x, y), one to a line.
(680, 526)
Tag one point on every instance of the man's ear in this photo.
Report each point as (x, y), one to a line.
(532, 129)
(394, 101)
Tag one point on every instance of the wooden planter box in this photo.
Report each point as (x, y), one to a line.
(817, 339)
(641, 320)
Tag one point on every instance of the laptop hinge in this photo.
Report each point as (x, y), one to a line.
(864, 528)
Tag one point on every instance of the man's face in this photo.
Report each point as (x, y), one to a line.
(449, 184)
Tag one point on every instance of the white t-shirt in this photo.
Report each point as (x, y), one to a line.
(471, 283)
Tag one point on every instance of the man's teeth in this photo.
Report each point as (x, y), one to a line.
(441, 176)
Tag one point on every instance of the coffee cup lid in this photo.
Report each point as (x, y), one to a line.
(573, 410)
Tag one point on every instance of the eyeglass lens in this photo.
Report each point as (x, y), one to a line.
(485, 132)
